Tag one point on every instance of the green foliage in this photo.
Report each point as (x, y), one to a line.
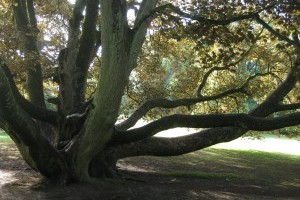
(52, 17)
(179, 52)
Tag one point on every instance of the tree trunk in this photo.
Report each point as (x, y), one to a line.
(120, 49)
(114, 74)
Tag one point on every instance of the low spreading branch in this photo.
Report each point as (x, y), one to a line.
(158, 146)
(166, 103)
(207, 121)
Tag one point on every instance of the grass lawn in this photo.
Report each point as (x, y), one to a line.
(211, 173)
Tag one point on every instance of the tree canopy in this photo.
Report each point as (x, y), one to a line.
(75, 78)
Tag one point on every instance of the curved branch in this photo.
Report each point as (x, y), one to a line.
(146, 14)
(272, 102)
(34, 111)
(201, 19)
(216, 21)
(206, 76)
(166, 103)
(35, 149)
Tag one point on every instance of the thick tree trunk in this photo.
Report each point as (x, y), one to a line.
(120, 49)
(113, 78)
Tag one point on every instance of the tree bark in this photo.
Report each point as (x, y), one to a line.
(25, 132)
(27, 31)
(120, 48)
(113, 78)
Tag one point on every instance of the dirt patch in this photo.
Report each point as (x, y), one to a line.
(208, 174)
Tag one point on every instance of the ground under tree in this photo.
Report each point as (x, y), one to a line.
(80, 139)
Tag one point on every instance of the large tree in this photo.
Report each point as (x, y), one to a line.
(82, 138)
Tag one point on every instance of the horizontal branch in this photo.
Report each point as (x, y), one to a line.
(160, 146)
(214, 21)
(208, 121)
(166, 103)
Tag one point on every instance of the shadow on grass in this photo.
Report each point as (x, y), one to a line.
(207, 174)
(252, 173)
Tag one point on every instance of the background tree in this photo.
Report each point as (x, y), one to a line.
(182, 64)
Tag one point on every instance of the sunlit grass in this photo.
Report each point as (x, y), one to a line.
(270, 144)
(4, 138)
(276, 169)
(292, 183)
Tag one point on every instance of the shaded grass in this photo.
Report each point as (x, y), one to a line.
(276, 169)
(269, 169)
(209, 173)
(201, 175)
(223, 158)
